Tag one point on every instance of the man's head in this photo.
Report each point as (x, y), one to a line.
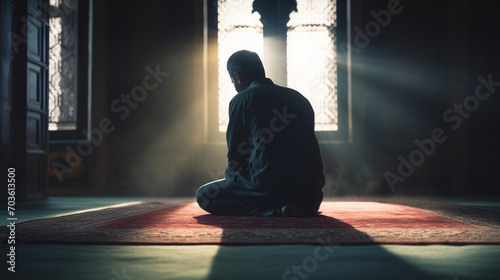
(244, 67)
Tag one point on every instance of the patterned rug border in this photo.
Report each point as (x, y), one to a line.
(487, 225)
(464, 214)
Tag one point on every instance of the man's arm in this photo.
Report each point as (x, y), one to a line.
(238, 144)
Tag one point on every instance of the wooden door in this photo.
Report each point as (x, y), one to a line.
(37, 73)
(24, 115)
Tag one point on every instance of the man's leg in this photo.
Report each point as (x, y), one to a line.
(217, 198)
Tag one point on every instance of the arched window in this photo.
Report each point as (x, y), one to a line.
(313, 34)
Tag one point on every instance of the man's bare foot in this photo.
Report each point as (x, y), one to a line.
(298, 210)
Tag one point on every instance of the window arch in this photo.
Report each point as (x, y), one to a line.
(313, 33)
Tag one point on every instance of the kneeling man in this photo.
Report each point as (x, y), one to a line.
(274, 163)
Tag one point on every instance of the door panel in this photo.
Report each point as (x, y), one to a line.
(24, 76)
(37, 95)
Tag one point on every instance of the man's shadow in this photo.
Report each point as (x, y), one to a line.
(315, 248)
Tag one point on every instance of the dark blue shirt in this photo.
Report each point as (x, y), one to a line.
(272, 148)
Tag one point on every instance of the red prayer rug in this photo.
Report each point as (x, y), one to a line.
(181, 221)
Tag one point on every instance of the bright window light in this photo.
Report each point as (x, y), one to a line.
(239, 29)
(311, 55)
(311, 59)
(63, 55)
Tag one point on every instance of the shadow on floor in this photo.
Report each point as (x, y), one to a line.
(323, 260)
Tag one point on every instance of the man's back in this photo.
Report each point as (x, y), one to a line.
(272, 142)
(274, 165)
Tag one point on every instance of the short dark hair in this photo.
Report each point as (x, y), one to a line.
(246, 64)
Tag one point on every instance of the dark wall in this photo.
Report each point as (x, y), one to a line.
(399, 89)
(157, 146)
(426, 58)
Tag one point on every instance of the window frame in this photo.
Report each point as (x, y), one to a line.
(83, 79)
(210, 64)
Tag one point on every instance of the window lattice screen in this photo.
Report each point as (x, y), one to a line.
(311, 54)
(63, 40)
(239, 29)
(311, 58)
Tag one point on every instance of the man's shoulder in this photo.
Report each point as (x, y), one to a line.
(241, 96)
(257, 89)
(265, 91)
(270, 89)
